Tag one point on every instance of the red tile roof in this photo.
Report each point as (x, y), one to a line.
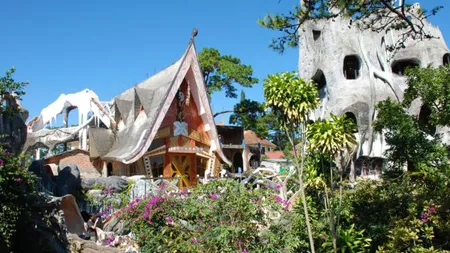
(274, 155)
(250, 138)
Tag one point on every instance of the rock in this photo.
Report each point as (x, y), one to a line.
(13, 131)
(115, 225)
(68, 181)
(113, 182)
(78, 245)
(141, 188)
(136, 178)
(46, 229)
(46, 182)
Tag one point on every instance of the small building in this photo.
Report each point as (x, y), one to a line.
(255, 148)
(161, 127)
(232, 139)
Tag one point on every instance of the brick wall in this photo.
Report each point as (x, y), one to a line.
(81, 159)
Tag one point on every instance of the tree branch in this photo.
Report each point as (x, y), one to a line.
(223, 112)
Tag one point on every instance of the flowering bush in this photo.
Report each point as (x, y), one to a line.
(222, 216)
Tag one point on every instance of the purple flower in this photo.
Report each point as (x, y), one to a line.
(278, 199)
(109, 240)
(169, 220)
(427, 213)
(244, 251)
(213, 196)
(194, 240)
(19, 179)
(239, 244)
(1, 162)
(278, 186)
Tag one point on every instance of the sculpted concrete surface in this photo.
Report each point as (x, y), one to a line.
(355, 71)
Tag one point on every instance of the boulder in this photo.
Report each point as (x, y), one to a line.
(113, 182)
(142, 188)
(13, 131)
(68, 180)
(46, 182)
(46, 229)
(115, 225)
(78, 245)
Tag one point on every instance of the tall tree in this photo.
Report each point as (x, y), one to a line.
(223, 72)
(293, 99)
(377, 15)
(250, 115)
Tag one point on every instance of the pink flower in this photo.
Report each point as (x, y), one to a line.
(239, 244)
(278, 199)
(169, 220)
(19, 179)
(213, 196)
(1, 162)
(244, 251)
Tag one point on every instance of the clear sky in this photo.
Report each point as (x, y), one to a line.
(109, 46)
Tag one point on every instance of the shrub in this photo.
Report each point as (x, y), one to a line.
(222, 216)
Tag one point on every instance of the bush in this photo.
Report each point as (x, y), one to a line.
(222, 216)
(24, 214)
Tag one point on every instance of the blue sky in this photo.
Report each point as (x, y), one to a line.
(108, 46)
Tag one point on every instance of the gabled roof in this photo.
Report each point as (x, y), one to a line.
(156, 95)
(274, 154)
(252, 139)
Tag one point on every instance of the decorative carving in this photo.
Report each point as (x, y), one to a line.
(180, 128)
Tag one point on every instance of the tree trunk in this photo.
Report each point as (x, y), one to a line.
(302, 190)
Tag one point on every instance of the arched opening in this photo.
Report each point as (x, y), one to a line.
(446, 59)
(254, 162)
(352, 66)
(238, 163)
(319, 79)
(424, 120)
(321, 82)
(399, 67)
(352, 117)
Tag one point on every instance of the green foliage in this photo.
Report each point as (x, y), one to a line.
(400, 215)
(331, 135)
(250, 115)
(9, 89)
(409, 137)
(221, 72)
(16, 185)
(24, 214)
(349, 240)
(290, 97)
(431, 86)
(221, 216)
(407, 142)
(362, 14)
